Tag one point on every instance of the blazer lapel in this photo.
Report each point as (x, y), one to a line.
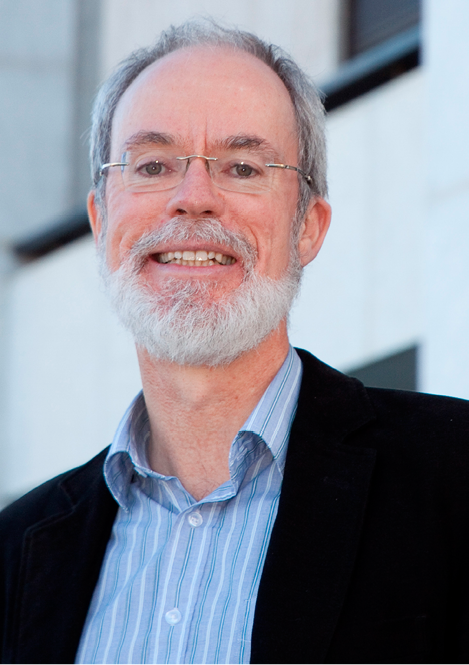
(316, 534)
(60, 565)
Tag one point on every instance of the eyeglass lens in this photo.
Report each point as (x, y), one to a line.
(157, 170)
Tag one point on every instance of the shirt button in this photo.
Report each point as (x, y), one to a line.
(173, 616)
(195, 519)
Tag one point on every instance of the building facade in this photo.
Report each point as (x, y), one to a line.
(387, 298)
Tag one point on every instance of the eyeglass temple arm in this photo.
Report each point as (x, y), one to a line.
(307, 177)
(107, 166)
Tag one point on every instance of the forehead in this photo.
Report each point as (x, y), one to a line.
(205, 94)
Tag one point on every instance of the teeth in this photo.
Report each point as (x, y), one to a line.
(196, 258)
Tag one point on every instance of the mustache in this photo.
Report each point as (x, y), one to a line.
(180, 230)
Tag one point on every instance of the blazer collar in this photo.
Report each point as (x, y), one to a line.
(315, 537)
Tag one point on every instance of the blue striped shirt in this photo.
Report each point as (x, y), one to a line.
(180, 577)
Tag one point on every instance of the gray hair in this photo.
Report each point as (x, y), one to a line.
(309, 110)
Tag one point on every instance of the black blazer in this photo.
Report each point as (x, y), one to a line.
(368, 559)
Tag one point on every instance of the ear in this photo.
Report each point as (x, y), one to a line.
(94, 215)
(313, 229)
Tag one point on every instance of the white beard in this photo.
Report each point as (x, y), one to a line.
(181, 322)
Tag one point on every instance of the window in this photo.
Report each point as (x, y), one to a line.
(398, 371)
(381, 40)
(371, 22)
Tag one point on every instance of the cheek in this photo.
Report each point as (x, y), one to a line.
(271, 228)
(129, 217)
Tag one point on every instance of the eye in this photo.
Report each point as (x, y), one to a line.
(153, 168)
(243, 170)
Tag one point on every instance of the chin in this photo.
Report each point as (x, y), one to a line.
(185, 323)
(187, 319)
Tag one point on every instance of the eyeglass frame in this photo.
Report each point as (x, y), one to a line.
(307, 177)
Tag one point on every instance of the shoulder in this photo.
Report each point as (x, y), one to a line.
(414, 410)
(433, 425)
(335, 391)
(416, 403)
(425, 438)
(51, 499)
(381, 419)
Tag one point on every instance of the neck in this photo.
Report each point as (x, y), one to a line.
(195, 412)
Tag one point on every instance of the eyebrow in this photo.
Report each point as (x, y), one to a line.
(250, 142)
(149, 138)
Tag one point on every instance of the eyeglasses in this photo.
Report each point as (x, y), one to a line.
(156, 171)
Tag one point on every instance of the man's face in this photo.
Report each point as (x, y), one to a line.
(217, 103)
(202, 97)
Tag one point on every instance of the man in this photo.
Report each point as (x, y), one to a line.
(255, 505)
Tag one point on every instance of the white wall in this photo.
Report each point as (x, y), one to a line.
(308, 29)
(362, 296)
(71, 369)
(36, 67)
(446, 350)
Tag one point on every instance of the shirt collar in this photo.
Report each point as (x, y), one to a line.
(127, 454)
(273, 415)
(270, 421)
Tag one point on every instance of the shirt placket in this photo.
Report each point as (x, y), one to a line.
(176, 601)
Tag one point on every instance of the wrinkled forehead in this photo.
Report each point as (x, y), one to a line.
(203, 95)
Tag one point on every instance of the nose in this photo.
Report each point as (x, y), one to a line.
(196, 196)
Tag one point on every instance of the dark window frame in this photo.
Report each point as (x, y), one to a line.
(57, 235)
(377, 66)
(398, 371)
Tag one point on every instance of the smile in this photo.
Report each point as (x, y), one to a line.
(197, 258)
